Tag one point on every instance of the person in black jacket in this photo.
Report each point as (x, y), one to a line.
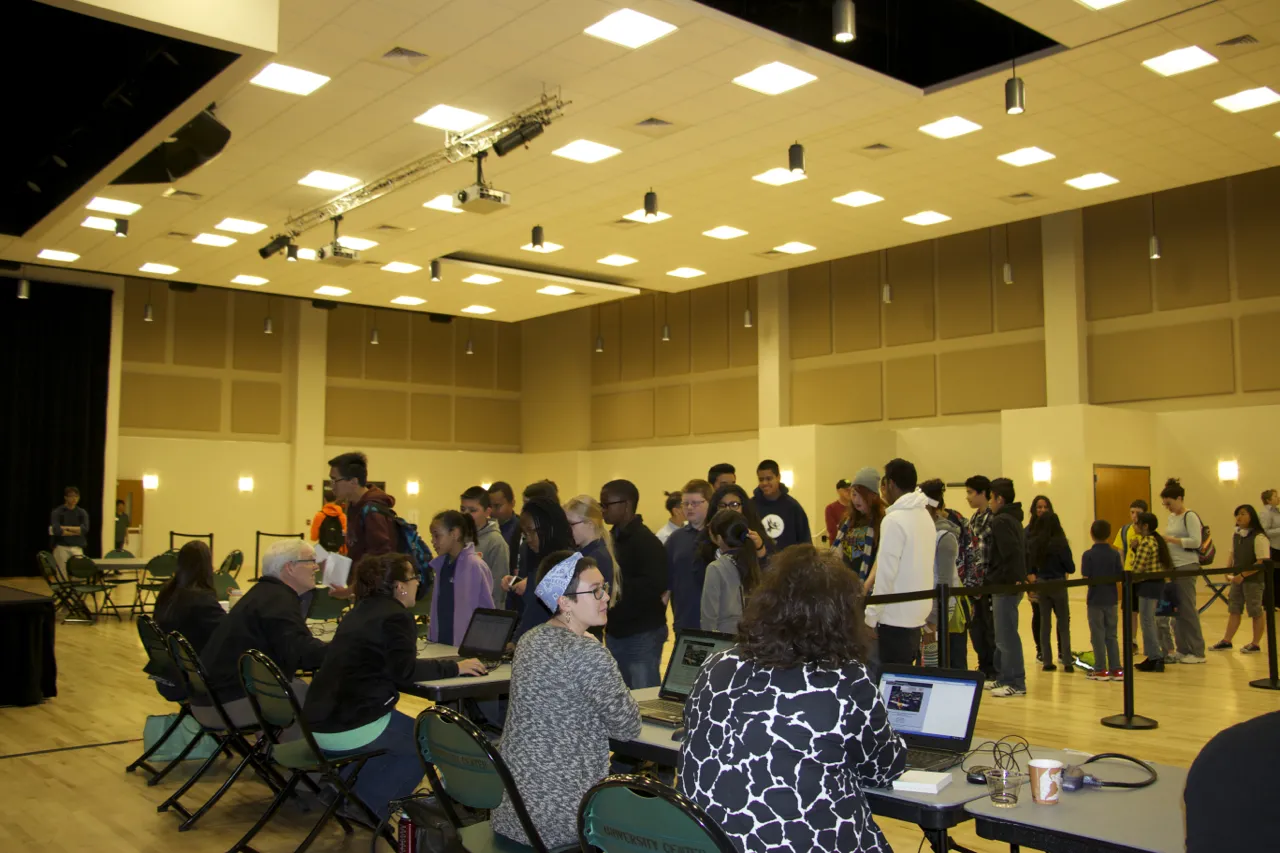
(267, 618)
(1007, 564)
(188, 604)
(1050, 558)
(351, 704)
(638, 622)
(785, 520)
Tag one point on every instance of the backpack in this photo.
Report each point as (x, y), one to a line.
(409, 543)
(332, 538)
(1207, 550)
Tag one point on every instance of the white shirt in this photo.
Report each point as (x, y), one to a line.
(904, 562)
(666, 531)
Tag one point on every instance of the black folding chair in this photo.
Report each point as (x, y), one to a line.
(60, 588)
(1219, 591)
(87, 580)
(157, 649)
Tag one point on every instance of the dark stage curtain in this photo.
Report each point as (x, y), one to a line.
(53, 378)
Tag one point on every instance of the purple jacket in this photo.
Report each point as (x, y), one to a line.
(472, 589)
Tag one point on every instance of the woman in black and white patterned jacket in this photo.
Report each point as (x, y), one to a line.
(787, 728)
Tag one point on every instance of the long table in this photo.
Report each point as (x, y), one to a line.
(488, 686)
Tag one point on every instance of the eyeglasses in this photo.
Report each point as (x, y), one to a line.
(598, 592)
(579, 521)
(692, 504)
(731, 504)
(312, 562)
(611, 503)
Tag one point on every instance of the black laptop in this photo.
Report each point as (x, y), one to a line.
(934, 710)
(692, 648)
(487, 636)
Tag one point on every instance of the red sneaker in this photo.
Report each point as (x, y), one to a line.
(1098, 675)
(1116, 675)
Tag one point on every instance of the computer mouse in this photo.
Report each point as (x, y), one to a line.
(678, 734)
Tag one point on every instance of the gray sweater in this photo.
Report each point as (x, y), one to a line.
(567, 700)
(493, 548)
(722, 596)
(1270, 518)
(1187, 528)
(944, 561)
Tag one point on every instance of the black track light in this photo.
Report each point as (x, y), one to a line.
(795, 158)
(291, 253)
(122, 228)
(435, 271)
(278, 242)
(843, 27)
(536, 240)
(666, 333)
(651, 205)
(1015, 93)
(24, 289)
(522, 135)
(1007, 273)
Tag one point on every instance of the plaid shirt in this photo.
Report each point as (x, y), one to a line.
(1145, 554)
(977, 530)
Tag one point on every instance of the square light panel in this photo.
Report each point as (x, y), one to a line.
(306, 254)
(857, 198)
(616, 260)
(330, 290)
(100, 223)
(285, 78)
(356, 244)
(58, 255)
(158, 269)
(586, 151)
(546, 248)
(328, 181)
(1249, 99)
(443, 202)
(793, 248)
(1180, 61)
(401, 267)
(639, 216)
(408, 300)
(724, 232)
(219, 240)
(1026, 156)
(1092, 181)
(779, 176)
(1095, 5)
(240, 226)
(555, 290)
(111, 205)
(445, 117)
(926, 217)
(774, 79)
(685, 272)
(629, 28)
(481, 278)
(477, 309)
(950, 127)
(252, 280)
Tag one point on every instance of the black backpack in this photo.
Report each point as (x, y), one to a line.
(332, 538)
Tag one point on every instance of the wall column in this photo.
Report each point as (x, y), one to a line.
(309, 458)
(774, 351)
(111, 444)
(1066, 353)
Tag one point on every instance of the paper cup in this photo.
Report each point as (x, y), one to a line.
(1046, 781)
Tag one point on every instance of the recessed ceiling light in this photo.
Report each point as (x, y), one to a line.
(1180, 61)
(1249, 99)
(616, 260)
(546, 248)
(158, 269)
(1099, 4)
(857, 198)
(774, 78)
(629, 28)
(400, 266)
(219, 240)
(111, 205)
(443, 202)
(100, 223)
(477, 309)
(357, 244)
(926, 217)
(284, 78)
(408, 300)
(330, 290)
(240, 226)
(58, 255)
(1092, 181)
(793, 248)
(586, 151)
(481, 278)
(254, 280)
(1026, 156)
(778, 176)
(555, 290)
(685, 272)
(306, 254)
(950, 127)
(724, 232)
(639, 216)
(445, 117)
(328, 181)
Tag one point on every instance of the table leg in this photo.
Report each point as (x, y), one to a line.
(940, 842)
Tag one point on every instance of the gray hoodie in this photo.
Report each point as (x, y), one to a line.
(493, 550)
(722, 596)
(944, 561)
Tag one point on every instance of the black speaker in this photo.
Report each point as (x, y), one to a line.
(439, 318)
(195, 144)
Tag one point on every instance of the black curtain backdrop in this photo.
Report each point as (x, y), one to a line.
(53, 378)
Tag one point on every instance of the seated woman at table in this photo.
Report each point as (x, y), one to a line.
(567, 700)
(373, 655)
(188, 604)
(787, 728)
(463, 582)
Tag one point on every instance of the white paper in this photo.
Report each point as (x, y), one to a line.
(337, 568)
(921, 782)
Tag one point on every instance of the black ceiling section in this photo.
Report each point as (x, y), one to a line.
(81, 91)
(920, 42)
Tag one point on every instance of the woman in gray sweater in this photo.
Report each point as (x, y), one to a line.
(567, 700)
(732, 576)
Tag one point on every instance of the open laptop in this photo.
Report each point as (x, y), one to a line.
(487, 636)
(692, 648)
(934, 710)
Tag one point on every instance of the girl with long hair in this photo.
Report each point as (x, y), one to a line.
(1051, 560)
(188, 604)
(592, 539)
(1040, 506)
(732, 576)
(858, 537)
(546, 530)
(1150, 554)
(1249, 547)
(734, 497)
(463, 583)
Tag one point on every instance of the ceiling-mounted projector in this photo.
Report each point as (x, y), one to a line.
(481, 199)
(337, 254)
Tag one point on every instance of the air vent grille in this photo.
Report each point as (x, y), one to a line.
(1238, 41)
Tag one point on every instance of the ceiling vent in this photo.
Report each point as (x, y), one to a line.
(182, 195)
(1020, 198)
(179, 235)
(654, 127)
(1238, 41)
(1237, 47)
(876, 150)
(404, 58)
(388, 228)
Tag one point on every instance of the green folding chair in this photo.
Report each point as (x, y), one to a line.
(157, 649)
(86, 580)
(631, 814)
(223, 584)
(118, 554)
(231, 564)
(112, 578)
(159, 569)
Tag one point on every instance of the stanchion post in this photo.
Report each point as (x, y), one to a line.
(1272, 682)
(1127, 720)
(944, 638)
(257, 544)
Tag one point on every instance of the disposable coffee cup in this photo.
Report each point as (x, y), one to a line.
(1046, 781)
(232, 597)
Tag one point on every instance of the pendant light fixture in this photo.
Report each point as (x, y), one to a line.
(122, 228)
(1015, 93)
(147, 314)
(1007, 271)
(666, 327)
(746, 315)
(267, 327)
(886, 289)
(599, 332)
(795, 158)
(471, 348)
(435, 270)
(24, 289)
(843, 27)
(651, 205)
(1153, 244)
(373, 335)
(536, 238)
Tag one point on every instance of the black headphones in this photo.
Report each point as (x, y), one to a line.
(1074, 776)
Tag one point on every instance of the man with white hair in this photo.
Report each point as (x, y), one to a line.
(267, 618)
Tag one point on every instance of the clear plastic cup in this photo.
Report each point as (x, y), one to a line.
(1003, 787)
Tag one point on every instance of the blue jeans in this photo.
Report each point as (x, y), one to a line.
(1010, 669)
(639, 656)
(393, 775)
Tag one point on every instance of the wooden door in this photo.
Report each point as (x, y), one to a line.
(130, 491)
(1114, 488)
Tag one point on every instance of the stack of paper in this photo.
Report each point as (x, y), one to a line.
(921, 782)
(337, 568)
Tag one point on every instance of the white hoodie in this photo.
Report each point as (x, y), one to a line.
(904, 562)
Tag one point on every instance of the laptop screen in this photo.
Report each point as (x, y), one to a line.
(488, 632)
(931, 706)
(691, 650)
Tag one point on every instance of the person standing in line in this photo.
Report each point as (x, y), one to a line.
(122, 526)
(330, 535)
(463, 583)
(838, 508)
(489, 539)
(1007, 564)
(522, 561)
(1249, 547)
(982, 631)
(637, 623)
(1122, 545)
(70, 524)
(546, 529)
(1151, 553)
(732, 576)
(1270, 519)
(675, 516)
(686, 568)
(1051, 560)
(904, 564)
(784, 519)
(722, 474)
(371, 524)
(502, 506)
(1183, 532)
(1102, 562)
(1040, 506)
(858, 536)
(947, 542)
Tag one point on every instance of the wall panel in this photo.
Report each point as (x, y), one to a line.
(836, 395)
(964, 285)
(1019, 305)
(255, 407)
(165, 401)
(855, 302)
(672, 358)
(431, 353)
(1255, 223)
(510, 346)
(1201, 362)
(1191, 222)
(200, 327)
(475, 370)
(431, 418)
(145, 341)
(909, 319)
(625, 416)
(988, 380)
(709, 319)
(671, 410)
(809, 310)
(909, 387)
(638, 339)
(366, 413)
(724, 405)
(486, 420)
(388, 359)
(1257, 352)
(743, 345)
(1117, 270)
(250, 348)
(344, 343)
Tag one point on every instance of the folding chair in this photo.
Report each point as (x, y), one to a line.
(231, 564)
(223, 584)
(157, 649)
(87, 580)
(277, 709)
(628, 814)
(61, 589)
(159, 569)
(229, 737)
(1219, 591)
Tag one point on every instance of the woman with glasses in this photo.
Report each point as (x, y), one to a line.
(734, 497)
(567, 700)
(546, 530)
(592, 539)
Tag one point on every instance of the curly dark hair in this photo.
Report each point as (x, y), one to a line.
(807, 609)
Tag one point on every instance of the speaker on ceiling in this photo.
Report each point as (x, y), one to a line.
(193, 145)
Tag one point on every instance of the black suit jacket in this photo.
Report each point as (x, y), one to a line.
(193, 613)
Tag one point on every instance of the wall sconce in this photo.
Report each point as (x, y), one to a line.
(788, 478)
(486, 486)
(1041, 472)
(246, 484)
(1229, 471)
(150, 482)
(411, 487)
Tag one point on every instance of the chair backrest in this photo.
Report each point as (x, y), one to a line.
(163, 565)
(81, 567)
(118, 553)
(463, 766)
(49, 569)
(223, 584)
(622, 814)
(192, 671)
(231, 563)
(155, 645)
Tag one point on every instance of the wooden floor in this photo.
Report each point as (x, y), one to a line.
(81, 798)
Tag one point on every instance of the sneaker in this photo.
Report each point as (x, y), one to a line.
(1191, 659)
(1220, 646)
(1173, 657)
(1251, 648)
(1004, 691)
(1049, 668)
(1116, 675)
(990, 685)
(1150, 665)
(1098, 675)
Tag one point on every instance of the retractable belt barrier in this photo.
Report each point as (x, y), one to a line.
(257, 546)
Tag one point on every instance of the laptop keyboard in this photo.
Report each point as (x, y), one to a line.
(662, 706)
(931, 759)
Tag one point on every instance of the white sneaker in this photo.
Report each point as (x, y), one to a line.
(1004, 691)
(1191, 659)
(990, 685)
(1175, 657)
